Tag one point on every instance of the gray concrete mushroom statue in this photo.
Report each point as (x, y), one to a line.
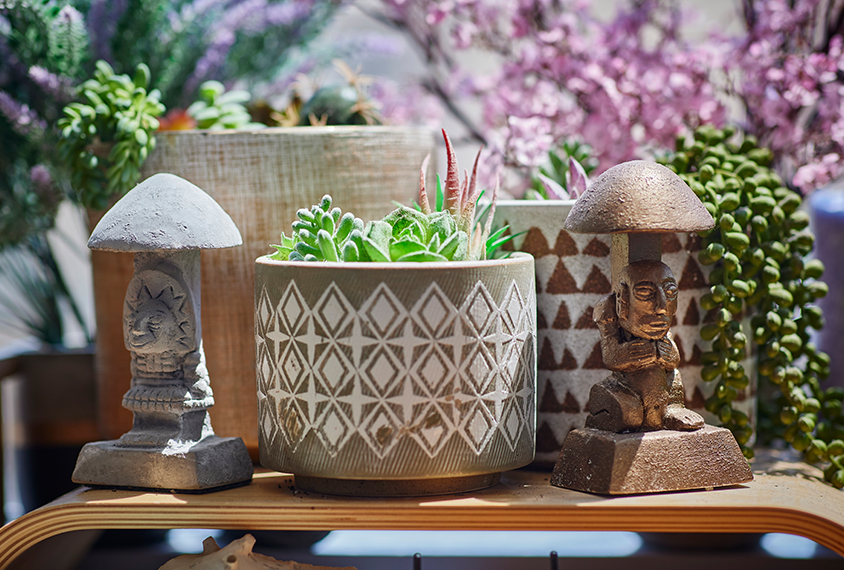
(639, 436)
(165, 221)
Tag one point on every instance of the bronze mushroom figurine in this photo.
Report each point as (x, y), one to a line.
(639, 436)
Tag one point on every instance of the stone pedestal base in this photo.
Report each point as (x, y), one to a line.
(610, 463)
(210, 464)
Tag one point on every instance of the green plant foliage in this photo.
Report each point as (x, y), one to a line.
(758, 249)
(405, 234)
(219, 109)
(449, 233)
(556, 173)
(106, 137)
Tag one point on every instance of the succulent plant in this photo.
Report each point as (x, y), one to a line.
(346, 103)
(450, 232)
(758, 249)
(219, 109)
(106, 137)
(566, 174)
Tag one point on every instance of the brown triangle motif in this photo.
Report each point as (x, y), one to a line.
(595, 360)
(740, 397)
(586, 321)
(546, 357)
(692, 316)
(545, 440)
(697, 400)
(696, 356)
(508, 245)
(694, 243)
(535, 243)
(692, 277)
(562, 321)
(709, 317)
(561, 281)
(565, 244)
(679, 342)
(597, 248)
(570, 404)
(569, 361)
(671, 244)
(597, 282)
(549, 403)
(541, 323)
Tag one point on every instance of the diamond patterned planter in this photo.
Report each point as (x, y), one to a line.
(572, 274)
(421, 375)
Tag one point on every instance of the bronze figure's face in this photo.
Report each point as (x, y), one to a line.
(647, 299)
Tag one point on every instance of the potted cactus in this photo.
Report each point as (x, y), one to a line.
(380, 375)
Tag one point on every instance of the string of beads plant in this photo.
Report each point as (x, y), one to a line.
(758, 251)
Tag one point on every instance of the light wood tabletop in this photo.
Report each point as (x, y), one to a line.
(776, 501)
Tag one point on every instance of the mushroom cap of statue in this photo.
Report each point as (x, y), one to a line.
(638, 196)
(165, 212)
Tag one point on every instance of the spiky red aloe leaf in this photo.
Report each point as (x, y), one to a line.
(423, 194)
(452, 179)
(467, 210)
(474, 191)
(467, 215)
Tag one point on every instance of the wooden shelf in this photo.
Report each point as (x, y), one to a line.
(773, 502)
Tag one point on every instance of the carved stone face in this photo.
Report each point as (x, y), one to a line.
(152, 328)
(647, 299)
(157, 316)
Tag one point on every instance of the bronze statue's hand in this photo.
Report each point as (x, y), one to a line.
(641, 351)
(667, 353)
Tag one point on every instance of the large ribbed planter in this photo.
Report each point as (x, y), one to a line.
(395, 378)
(572, 274)
(260, 178)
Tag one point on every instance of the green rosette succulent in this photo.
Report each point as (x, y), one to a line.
(449, 232)
(758, 250)
(218, 109)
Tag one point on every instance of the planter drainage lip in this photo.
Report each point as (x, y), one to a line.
(515, 259)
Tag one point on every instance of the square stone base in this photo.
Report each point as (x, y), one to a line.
(610, 463)
(213, 463)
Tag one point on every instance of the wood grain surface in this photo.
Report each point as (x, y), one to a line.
(523, 500)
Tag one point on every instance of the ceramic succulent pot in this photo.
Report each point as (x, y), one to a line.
(395, 378)
(572, 274)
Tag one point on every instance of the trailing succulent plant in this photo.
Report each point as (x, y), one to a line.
(566, 174)
(218, 109)
(106, 137)
(758, 251)
(449, 232)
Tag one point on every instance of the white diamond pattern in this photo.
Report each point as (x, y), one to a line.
(384, 372)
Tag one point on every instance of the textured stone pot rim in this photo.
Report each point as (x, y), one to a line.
(339, 131)
(514, 259)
